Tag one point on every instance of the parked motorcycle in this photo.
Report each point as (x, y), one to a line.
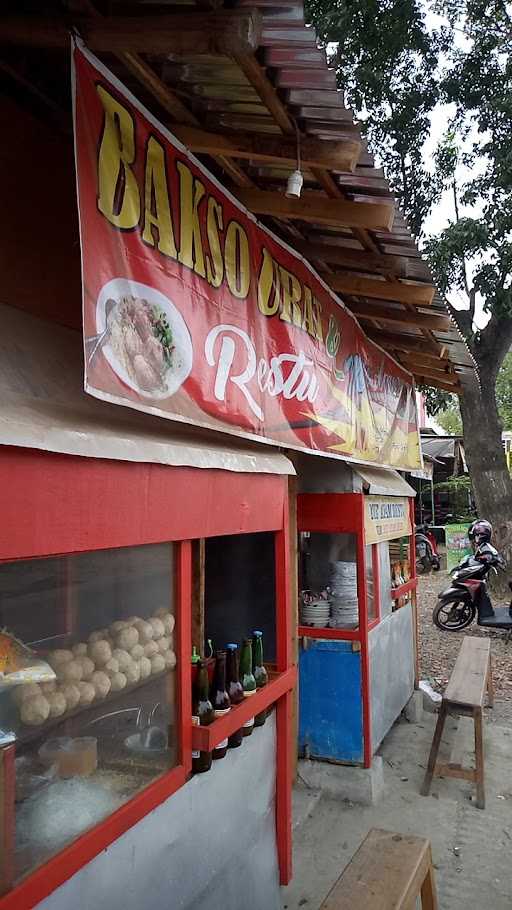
(427, 555)
(467, 596)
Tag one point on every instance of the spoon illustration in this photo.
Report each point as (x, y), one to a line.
(96, 342)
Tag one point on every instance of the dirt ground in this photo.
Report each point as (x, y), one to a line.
(438, 650)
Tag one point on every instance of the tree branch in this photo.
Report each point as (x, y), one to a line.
(464, 321)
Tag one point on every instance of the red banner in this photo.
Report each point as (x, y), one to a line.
(194, 311)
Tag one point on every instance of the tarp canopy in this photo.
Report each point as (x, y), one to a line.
(43, 406)
(384, 482)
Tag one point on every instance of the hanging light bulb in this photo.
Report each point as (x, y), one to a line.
(295, 180)
(294, 185)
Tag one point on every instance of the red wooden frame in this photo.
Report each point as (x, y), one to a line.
(113, 504)
(344, 513)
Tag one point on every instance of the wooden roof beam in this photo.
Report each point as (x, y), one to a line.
(270, 149)
(221, 32)
(404, 317)
(348, 283)
(317, 210)
(363, 261)
(406, 343)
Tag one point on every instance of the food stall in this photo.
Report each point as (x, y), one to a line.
(357, 610)
(151, 410)
(96, 577)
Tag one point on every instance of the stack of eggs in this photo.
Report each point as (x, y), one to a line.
(127, 652)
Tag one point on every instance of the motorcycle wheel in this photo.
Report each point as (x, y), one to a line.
(423, 565)
(454, 615)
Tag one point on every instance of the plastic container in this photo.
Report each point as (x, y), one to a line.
(72, 757)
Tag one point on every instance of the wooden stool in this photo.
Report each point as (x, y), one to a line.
(388, 872)
(464, 696)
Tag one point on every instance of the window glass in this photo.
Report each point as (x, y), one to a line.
(370, 589)
(88, 690)
(328, 581)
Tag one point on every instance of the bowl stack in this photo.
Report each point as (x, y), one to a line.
(315, 613)
(344, 603)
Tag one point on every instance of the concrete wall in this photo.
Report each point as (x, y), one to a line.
(211, 846)
(391, 670)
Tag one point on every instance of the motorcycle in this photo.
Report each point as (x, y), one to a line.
(468, 597)
(427, 555)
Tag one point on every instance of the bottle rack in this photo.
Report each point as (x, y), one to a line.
(204, 739)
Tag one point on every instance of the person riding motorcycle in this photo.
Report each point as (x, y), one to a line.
(480, 535)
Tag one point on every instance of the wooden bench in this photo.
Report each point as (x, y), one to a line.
(464, 696)
(388, 872)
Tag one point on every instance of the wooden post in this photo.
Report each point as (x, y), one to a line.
(7, 791)
(198, 591)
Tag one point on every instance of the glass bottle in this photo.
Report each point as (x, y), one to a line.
(260, 673)
(220, 699)
(202, 715)
(235, 690)
(247, 679)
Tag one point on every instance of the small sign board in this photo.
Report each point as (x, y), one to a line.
(386, 518)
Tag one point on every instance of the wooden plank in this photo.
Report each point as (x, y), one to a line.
(257, 77)
(455, 771)
(469, 676)
(394, 315)
(447, 377)
(364, 261)
(198, 594)
(160, 91)
(438, 384)
(479, 759)
(219, 32)
(406, 343)
(386, 873)
(434, 749)
(358, 286)
(319, 211)
(271, 149)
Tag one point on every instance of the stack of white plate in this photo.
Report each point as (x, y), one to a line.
(344, 603)
(315, 614)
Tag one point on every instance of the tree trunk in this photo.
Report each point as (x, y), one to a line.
(490, 479)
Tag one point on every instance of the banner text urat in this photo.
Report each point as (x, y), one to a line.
(194, 311)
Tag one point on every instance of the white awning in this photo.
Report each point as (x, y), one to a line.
(43, 406)
(384, 482)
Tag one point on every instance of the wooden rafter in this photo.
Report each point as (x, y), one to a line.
(405, 343)
(348, 283)
(219, 32)
(317, 210)
(371, 262)
(394, 315)
(270, 149)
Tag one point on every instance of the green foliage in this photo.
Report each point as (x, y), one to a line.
(394, 72)
(449, 418)
(435, 399)
(445, 407)
(504, 392)
(386, 62)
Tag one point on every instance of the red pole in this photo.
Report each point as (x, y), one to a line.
(363, 638)
(284, 725)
